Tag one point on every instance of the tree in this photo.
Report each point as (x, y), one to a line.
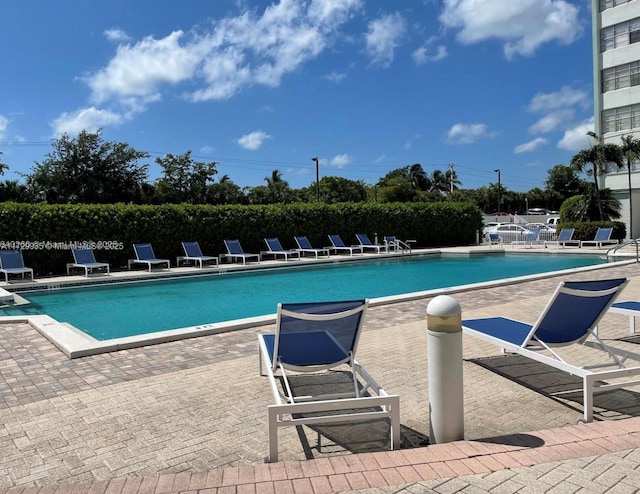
(339, 189)
(225, 191)
(89, 170)
(565, 181)
(3, 167)
(419, 178)
(278, 190)
(598, 155)
(185, 180)
(631, 152)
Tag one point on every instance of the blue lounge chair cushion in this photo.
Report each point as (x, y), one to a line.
(307, 348)
(508, 330)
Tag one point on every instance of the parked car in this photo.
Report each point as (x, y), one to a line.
(553, 221)
(541, 211)
(490, 227)
(545, 227)
(509, 232)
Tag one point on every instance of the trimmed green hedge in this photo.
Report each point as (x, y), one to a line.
(41, 229)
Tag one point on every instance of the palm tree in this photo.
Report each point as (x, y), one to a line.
(598, 155)
(631, 152)
(277, 187)
(419, 178)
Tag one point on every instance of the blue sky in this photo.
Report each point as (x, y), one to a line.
(366, 86)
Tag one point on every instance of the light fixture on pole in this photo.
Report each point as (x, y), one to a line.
(317, 178)
(498, 172)
(526, 206)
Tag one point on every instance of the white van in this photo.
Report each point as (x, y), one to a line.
(553, 221)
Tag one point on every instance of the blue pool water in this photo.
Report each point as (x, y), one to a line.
(125, 309)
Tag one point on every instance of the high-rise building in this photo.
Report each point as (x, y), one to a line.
(616, 94)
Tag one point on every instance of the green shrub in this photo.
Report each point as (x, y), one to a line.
(41, 230)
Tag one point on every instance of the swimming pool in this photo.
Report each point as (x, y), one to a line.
(118, 310)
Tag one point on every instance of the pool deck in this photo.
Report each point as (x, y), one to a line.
(190, 415)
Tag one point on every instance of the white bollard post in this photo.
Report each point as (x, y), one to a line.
(444, 357)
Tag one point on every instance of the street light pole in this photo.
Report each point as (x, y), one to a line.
(498, 172)
(317, 178)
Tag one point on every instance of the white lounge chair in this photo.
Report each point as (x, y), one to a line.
(603, 237)
(145, 255)
(565, 237)
(530, 239)
(275, 249)
(571, 316)
(193, 253)
(86, 260)
(314, 337)
(366, 243)
(337, 245)
(235, 252)
(11, 262)
(304, 247)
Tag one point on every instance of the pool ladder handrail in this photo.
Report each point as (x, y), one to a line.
(399, 244)
(634, 241)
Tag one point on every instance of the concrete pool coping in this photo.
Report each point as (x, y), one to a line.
(74, 343)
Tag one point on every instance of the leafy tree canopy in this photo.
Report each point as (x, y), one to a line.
(88, 169)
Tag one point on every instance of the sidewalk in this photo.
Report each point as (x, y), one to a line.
(190, 415)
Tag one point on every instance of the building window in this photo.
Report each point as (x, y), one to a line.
(621, 76)
(619, 35)
(621, 119)
(609, 4)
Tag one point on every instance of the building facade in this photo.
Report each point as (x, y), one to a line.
(616, 94)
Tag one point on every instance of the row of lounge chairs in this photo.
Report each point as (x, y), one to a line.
(12, 262)
(564, 239)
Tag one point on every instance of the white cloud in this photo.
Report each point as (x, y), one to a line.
(383, 37)
(552, 121)
(4, 123)
(575, 138)
(90, 119)
(566, 96)
(140, 70)
(340, 160)
(409, 144)
(558, 108)
(253, 140)
(521, 25)
(424, 54)
(225, 57)
(335, 77)
(116, 35)
(467, 133)
(527, 147)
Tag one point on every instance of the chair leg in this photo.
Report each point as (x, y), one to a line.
(273, 436)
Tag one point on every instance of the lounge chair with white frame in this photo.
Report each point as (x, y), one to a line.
(305, 247)
(565, 237)
(86, 260)
(337, 245)
(145, 255)
(235, 252)
(319, 337)
(275, 249)
(366, 243)
(11, 262)
(570, 317)
(603, 237)
(531, 238)
(193, 253)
